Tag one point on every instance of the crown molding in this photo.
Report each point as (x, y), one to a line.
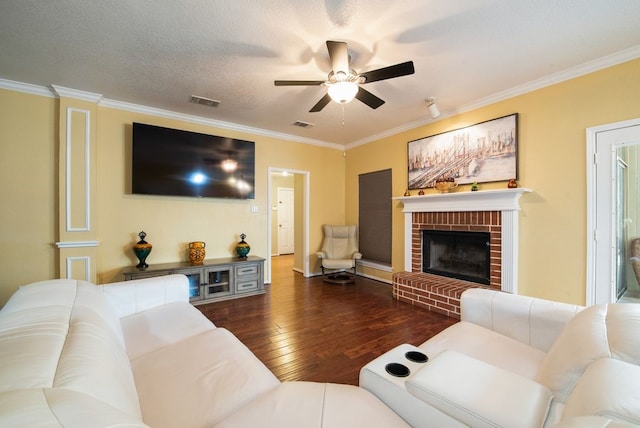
(199, 120)
(568, 74)
(27, 88)
(61, 91)
(562, 76)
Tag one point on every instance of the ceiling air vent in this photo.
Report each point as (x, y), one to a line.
(204, 101)
(302, 124)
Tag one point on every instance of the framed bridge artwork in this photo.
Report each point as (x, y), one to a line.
(481, 153)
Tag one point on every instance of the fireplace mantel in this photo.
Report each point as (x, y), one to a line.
(485, 200)
(504, 200)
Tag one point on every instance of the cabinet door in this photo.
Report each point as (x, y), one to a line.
(218, 282)
(195, 284)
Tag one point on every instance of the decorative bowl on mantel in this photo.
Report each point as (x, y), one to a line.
(445, 186)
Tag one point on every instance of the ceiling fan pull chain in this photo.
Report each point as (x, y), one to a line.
(342, 105)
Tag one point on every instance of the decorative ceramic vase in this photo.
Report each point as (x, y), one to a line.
(512, 184)
(142, 249)
(197, 252)
(242, 248)
(474, 187)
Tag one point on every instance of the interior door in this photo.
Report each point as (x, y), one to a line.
(603, 260)
(285, 221)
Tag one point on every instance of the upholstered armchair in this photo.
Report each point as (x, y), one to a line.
(339, 253)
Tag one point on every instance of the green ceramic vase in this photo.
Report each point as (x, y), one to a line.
(242, 248)
(142, 249)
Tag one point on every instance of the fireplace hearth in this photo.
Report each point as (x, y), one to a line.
(457, 254)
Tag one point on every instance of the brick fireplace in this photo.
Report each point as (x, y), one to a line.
(491, 211)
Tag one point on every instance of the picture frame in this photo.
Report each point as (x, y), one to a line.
(480, 153)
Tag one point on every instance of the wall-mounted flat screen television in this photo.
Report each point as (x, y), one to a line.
(181, 163)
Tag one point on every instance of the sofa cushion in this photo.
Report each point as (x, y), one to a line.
(199, 381)
(608, 388)
(488, 346)
(480, 394)
(63, 334)
(60, 407)
(314, 405)
(155, 328)
(534, 322)
(600, 331)
(130, 297)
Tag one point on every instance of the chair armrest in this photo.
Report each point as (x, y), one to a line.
(130, 297)
(535, 322)
(479, 394)
(356, 256)
(321, 255)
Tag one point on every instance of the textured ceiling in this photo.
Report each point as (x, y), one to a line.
(158, 53)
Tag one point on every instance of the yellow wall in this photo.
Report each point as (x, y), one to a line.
(552, 162)
(28, 189)
(29, 137)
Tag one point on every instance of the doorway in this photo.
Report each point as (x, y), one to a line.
(613, 210)
(296, 234)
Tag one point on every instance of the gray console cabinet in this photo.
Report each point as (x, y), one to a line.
(214, 280)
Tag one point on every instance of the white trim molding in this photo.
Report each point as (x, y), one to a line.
(87, 267)
(77, 244)
(86, 227)
(61, 91)
(485, 200)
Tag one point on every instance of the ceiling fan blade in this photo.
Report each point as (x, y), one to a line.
(368, 98)
(402, 69)
(298, 82)
(339, 56)
(321, 104)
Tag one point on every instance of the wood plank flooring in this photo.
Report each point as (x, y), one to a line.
(306, 329)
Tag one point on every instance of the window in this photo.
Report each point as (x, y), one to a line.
(374, 217)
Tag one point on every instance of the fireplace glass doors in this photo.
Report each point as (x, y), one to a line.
(457, 254)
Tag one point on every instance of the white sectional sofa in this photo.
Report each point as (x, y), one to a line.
(136, 353)
(515, 361)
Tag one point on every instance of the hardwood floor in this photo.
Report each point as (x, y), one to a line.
(305, 329)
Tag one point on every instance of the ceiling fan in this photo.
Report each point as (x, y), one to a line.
(344, 83)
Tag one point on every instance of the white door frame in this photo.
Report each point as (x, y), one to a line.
(604, 291)
(305, 221)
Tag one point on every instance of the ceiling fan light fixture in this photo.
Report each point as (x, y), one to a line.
(343, 92)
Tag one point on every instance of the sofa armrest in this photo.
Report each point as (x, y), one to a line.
(479, 394)
(357, 256)
(532, 321)
(130, 297)
(321, 255)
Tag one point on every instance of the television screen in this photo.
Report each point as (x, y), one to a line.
(181, 163)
